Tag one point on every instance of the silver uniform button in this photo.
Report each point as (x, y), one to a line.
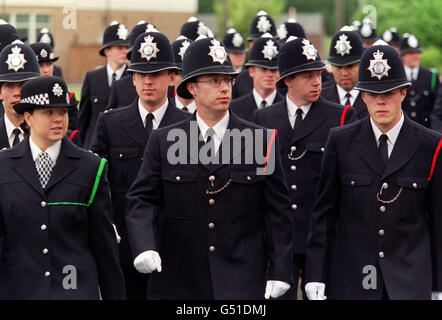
(95, 100)
(43, 227)
(212, 249)
(382, 209)
(121, 155)
(385, 186)
(322, 149)
(426, 93)
(294, 207)
(352, 182)
(212, 178)
(249, 178)
(211, 225)
(43, 204)
(413, 114)
(293, 148)
(294, 187)
(412, 92)
(414, 185)
(413, 103)
(211, 202)
(381, 232)
(178, 178)
(47, 274)
(45, 251)
(293, 168)
(381, 254)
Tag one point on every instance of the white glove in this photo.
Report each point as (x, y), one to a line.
(436, 295)
(315, 291)
(116, 234)
(275, 288)
(148, 262)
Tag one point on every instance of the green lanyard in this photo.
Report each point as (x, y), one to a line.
(94, 189)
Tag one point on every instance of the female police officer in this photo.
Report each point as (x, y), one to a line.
(56, 236)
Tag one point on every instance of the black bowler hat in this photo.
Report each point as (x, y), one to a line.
(345, 47)
(114, 35)
(297, 55)
(409, 44)
(46, 36)
(194, 28)
(8, 34)
(368, 31)
(234, 42)
(151, 52)
(141, 27)
(43, 52)
(381, 69)
(43, 92)
(290, 28)
(204, 56)
(264, 53)
(18, 63)
(392, 37)
(262, 23)
(179, 47)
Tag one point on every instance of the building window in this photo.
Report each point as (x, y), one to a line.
(28, 25)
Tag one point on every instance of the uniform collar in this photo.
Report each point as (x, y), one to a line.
(342, 98)
(292, 107)
(191, 107)
(392, 134)
(411, 73)
(53, 150)
(119, 72)
(258, 99)
(10, 127)
(158, 114)
(220, 128)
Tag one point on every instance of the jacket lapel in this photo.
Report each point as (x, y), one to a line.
(169, 116)
(133, 125)
(281, 120)
(4, 141)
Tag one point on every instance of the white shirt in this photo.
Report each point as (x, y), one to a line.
(269, 99)
(220, 129)
(291, 111)
(118, 72)
(53, 150)
(157, 114)
(392, 134)
(411, 73)
(191, 107)
(9, 128)
(343, 99)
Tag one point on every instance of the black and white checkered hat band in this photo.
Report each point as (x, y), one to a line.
(38, 99)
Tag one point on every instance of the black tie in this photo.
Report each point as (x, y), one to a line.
(298, 120)
(185, 109)
(16, 140)
(263, 104)
(149, 124)
(348, 102)
(210, 141)
(114, 77)
(383, 148)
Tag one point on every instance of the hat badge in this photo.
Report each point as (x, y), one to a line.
(343, 46)
(57, 90)
(388, 36)
(309, 50)
(16, 60)
(270, 51)
(366, 30)
(263, 24)
(237, 40)
(379, 67)
(122, 32)
(45, 38)
(148, 49)
(217, 52)
(412, 41)
(150, 28)
(282, 31)
(183, 48)
(43, 53)
(202, 29)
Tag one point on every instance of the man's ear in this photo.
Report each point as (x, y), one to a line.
(191, 86)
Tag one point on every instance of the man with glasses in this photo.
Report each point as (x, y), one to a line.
(203, 221)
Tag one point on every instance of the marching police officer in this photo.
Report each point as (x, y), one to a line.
(303, 120)
(211, 229)
(179, 47)
(234, 43)
(45, 36)
(121, 134)
(392, 37)
(18, 64)
(97, 83)
(421, 96)
(263, 69)
(376, 229)
(345, 52)
(56, 225)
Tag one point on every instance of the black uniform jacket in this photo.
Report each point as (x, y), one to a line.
(245, 106)
(331, 93)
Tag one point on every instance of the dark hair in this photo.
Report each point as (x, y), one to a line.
(24, 126)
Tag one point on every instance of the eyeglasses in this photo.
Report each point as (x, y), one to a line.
(216, 82)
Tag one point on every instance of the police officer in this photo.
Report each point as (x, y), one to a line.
(123, 91)
(303, 120)
(421, 96)
(179, 47)
(376, 226)
(18, 64)
(121, 134)
(57, 236)
(234, 43)
(97, 83)
(345, 52)
(392, 37)
(209, 229)
(193, 28)
(263, 69)
(261, 24)
(46, 59)
(290, 28)
(45, 36)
